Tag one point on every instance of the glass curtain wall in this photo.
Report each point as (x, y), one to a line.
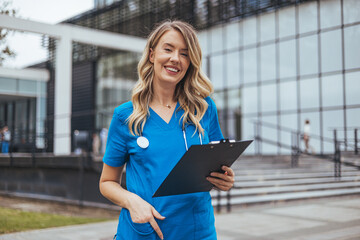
(116, 76)
(283, 67)
(23, 110)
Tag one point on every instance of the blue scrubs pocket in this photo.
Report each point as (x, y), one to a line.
(141, 228)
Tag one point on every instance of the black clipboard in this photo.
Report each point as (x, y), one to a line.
(189, 174)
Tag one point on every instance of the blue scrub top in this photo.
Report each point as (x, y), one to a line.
(188, 216)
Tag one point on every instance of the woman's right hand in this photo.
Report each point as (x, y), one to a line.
(142, 212)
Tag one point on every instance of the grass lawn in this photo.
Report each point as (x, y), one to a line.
(12, 220)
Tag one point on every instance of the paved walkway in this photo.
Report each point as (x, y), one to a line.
(325, 219)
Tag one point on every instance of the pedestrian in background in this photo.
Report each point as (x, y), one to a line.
(6, 137)
(307, 131)
(170, 111)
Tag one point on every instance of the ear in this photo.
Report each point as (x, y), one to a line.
(151, 55)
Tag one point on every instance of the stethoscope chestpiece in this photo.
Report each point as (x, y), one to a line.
(142, 142)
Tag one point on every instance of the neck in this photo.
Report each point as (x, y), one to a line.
(163, 95)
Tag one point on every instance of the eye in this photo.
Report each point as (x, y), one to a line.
(184, 54)
(167, 50)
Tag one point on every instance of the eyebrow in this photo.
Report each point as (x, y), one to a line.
(170, 45)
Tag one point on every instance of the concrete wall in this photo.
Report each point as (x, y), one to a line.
(69, 179)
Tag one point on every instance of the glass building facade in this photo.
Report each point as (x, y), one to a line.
(23, 110)
(278, 62)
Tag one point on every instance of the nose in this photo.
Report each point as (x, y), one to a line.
(175, 57)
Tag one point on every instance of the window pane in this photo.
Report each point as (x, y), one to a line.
(330, 13)
(249, 32)
(307, 17)
(233, 69)
(218, 98)
(247, 128)
(267, 26)
(232, 35)
(8, 85)
(309, 93)
(250, 66)
(309, 55)
(270, 134)
(314, 142)
(332, 91)
(43, 88)
(288, 121)
(203, 40)
(216, 39)
(216, 71)
(234, 113)
(234, 97)
(351, 11)
(250, 100)
(287, 59)
(268, 62)
(332, 119)
(27, 86)
(204, 65)
(268, 97)
(234, 125)
(352, 46)
(352, 83)
(288, 96)
(352, 120)
(331, 56)
(287, 22)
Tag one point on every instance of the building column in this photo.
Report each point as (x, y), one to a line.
(63, 90)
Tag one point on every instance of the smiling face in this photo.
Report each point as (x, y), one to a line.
(170, 58)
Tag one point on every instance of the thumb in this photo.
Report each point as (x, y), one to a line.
(156, 214)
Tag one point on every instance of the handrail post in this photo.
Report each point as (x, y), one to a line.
(228, 197)
(33, 150)
(356, 141)
(218, 207)
(257, 138)
(337, 165)
(294, 149)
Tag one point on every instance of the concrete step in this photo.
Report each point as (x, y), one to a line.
(270, 171)
(285, 197)
(268, 179)
(264, 183)
(285, 176)
(284, 189)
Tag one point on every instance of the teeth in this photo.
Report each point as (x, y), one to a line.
(172, 69)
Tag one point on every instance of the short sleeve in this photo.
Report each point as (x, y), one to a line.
(215, 133)
(116, 148)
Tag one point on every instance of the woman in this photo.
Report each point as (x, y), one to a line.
(170, 110)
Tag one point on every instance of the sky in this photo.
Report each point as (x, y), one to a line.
(28, 46)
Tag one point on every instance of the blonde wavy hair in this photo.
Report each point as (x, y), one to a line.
(189, 92)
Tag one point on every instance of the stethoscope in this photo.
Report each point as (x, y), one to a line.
(143, 142)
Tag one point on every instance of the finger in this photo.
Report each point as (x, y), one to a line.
(221, 175)
(221, 187)
(218, 182)
(229, 171)
(155, 226)
(157, 214)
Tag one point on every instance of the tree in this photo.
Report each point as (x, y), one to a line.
(5, 51)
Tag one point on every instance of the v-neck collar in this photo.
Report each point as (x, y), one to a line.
(161, 122)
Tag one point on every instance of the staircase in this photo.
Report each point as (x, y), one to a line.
(271, 179)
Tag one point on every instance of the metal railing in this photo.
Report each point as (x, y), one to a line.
(296, 150)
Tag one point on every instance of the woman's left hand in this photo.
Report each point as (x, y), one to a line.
(223, 181)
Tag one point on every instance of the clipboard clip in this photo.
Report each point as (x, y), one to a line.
(224, 140)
